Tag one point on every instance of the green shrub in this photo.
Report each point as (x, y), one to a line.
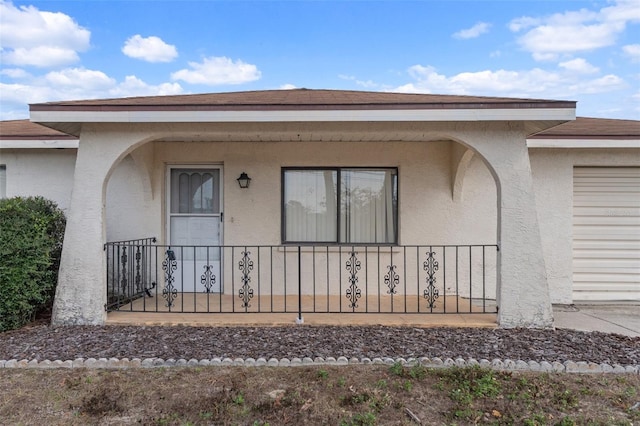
(31, 233)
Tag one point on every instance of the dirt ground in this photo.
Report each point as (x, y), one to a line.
(315, 395)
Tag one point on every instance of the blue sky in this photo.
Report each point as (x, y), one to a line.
(588, 51)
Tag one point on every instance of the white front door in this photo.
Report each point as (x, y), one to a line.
(195, 231)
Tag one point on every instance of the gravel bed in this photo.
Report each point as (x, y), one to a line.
(42, 342)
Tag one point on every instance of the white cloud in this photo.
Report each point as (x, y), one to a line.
(32, 37)
(218, 70)
(73, 83)
(288, 86)
(632, 51)
(574, 31)
(80, 78)
(603, 84)
(15, 73)
(368, 84)
(536, 82)
(41, 56)
(579, 65)
(133, 86)
(473, 32)
(523, 22)
(150, 49)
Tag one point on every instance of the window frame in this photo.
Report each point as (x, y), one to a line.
(338, 170)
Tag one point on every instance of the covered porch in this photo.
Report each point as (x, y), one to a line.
(460, 235)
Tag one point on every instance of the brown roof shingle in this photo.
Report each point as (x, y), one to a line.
(593, 128)
(303, 99)
(25, 129)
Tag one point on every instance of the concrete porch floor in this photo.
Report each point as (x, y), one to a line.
(204, 310)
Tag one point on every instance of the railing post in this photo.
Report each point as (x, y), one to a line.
(299, 320)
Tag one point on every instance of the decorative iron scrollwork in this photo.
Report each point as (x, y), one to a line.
(138, 278)
(391, 279)
(246, 266)
(124, 282)
(353, 293)
(169, 266)
(208, 279)
(431, 266)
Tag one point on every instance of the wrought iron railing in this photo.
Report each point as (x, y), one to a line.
(131, 271)
(145, 277)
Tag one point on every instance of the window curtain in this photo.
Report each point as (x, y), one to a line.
(310, 205)
(368, 206)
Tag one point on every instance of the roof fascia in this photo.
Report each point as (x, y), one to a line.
(38, 143)
(583, 143)
(534, 114)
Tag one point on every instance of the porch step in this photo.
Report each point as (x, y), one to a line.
(280, 319)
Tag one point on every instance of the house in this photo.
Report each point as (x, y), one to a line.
(333, 201)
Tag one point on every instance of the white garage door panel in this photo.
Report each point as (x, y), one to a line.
(618, 244)
(606, 233)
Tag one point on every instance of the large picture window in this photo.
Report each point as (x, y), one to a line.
(340, 205)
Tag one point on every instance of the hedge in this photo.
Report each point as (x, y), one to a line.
(31, 233)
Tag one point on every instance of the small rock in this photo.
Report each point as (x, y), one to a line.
(571, 367)
(606, 368)
(546, 366)
(276, 393)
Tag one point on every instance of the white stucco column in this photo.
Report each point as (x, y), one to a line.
(523, 290)
(81, 292)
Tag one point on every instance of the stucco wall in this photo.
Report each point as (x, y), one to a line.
(427, 212)
(553, 185)
(130, 208)
(44, 172)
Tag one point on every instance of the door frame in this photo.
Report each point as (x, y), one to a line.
(167, 202)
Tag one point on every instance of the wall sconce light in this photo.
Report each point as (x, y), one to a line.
(244, 180)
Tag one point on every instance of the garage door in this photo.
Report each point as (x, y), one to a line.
(606, 233)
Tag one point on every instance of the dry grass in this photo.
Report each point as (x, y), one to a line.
(315, 395)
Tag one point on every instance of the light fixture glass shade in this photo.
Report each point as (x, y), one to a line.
(244, 180)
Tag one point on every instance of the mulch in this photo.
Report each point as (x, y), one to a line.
(41, 341)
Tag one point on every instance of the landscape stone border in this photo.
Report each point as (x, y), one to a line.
(496, 364)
